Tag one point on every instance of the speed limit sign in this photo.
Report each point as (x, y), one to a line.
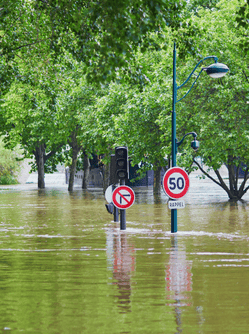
(175, 182)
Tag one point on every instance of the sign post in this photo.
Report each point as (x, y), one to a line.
(110, 207)
(123, 198)
(122, 212)
(175, 185)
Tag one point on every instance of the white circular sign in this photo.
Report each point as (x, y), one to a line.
(108, 194)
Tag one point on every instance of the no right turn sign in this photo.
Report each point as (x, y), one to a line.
(123, 197)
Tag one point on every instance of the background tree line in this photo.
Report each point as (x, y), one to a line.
(96, 76)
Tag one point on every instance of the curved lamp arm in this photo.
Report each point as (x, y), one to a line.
(178, 143)
(178, 87)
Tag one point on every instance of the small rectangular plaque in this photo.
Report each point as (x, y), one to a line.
(179, 204)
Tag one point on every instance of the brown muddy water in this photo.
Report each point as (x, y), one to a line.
(67, 268)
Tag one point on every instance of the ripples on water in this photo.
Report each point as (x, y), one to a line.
(67, 268)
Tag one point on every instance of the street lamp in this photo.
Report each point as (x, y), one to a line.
(216, 70)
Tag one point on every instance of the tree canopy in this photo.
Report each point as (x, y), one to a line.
(218, 110)
(54, 52)
(104, 35)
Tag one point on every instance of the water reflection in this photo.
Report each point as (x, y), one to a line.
(178, 274)
(178, 280)
(64, 263)
(121, 261)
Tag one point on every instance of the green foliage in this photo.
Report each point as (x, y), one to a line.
(54, 53)
(75, 109)
(217, 109)
(29, 109)
(9, 165)
(131, 114)
(196, 5)
(105, 37)
(242, 18)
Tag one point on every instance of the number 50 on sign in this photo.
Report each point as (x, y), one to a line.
(176, 182)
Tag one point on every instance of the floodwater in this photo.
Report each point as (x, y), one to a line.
(67, 268)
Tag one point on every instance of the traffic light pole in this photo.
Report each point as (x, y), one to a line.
(122, 212)
(115, 209)
(122, 173)
(114, 181)
(115, 214)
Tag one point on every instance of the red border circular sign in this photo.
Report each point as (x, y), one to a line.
(175, 185)
(126, 198)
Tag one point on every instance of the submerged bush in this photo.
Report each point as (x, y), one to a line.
(9, 165)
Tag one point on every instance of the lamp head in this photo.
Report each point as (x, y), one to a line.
(216, 70)
(195, 144)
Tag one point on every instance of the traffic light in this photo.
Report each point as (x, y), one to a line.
(110, 208)
(122, 164)
(113, 177)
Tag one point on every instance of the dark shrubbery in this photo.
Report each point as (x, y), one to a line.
(9, 165)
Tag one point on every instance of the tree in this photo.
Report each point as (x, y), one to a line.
(129, 112)
(139, 129)
(103, 35)
(29, 116)
(217, 110)
(75, 112)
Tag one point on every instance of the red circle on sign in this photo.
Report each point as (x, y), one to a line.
(123, 197)
(175, 186)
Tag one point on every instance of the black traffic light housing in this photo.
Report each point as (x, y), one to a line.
(113, 176)
(110, 208)
(122, 163)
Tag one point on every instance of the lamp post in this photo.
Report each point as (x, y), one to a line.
(216, 70)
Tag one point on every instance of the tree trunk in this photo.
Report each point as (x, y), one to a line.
(86, 167)
(41, 157)
(106, 176)
(40, 160)
(75, 150)
(157, 181)
(72, 169)
(233, 190)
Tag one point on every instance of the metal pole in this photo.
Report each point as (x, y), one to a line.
(115, 209)
(115, 214)
(122, 212)
(174, 146)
